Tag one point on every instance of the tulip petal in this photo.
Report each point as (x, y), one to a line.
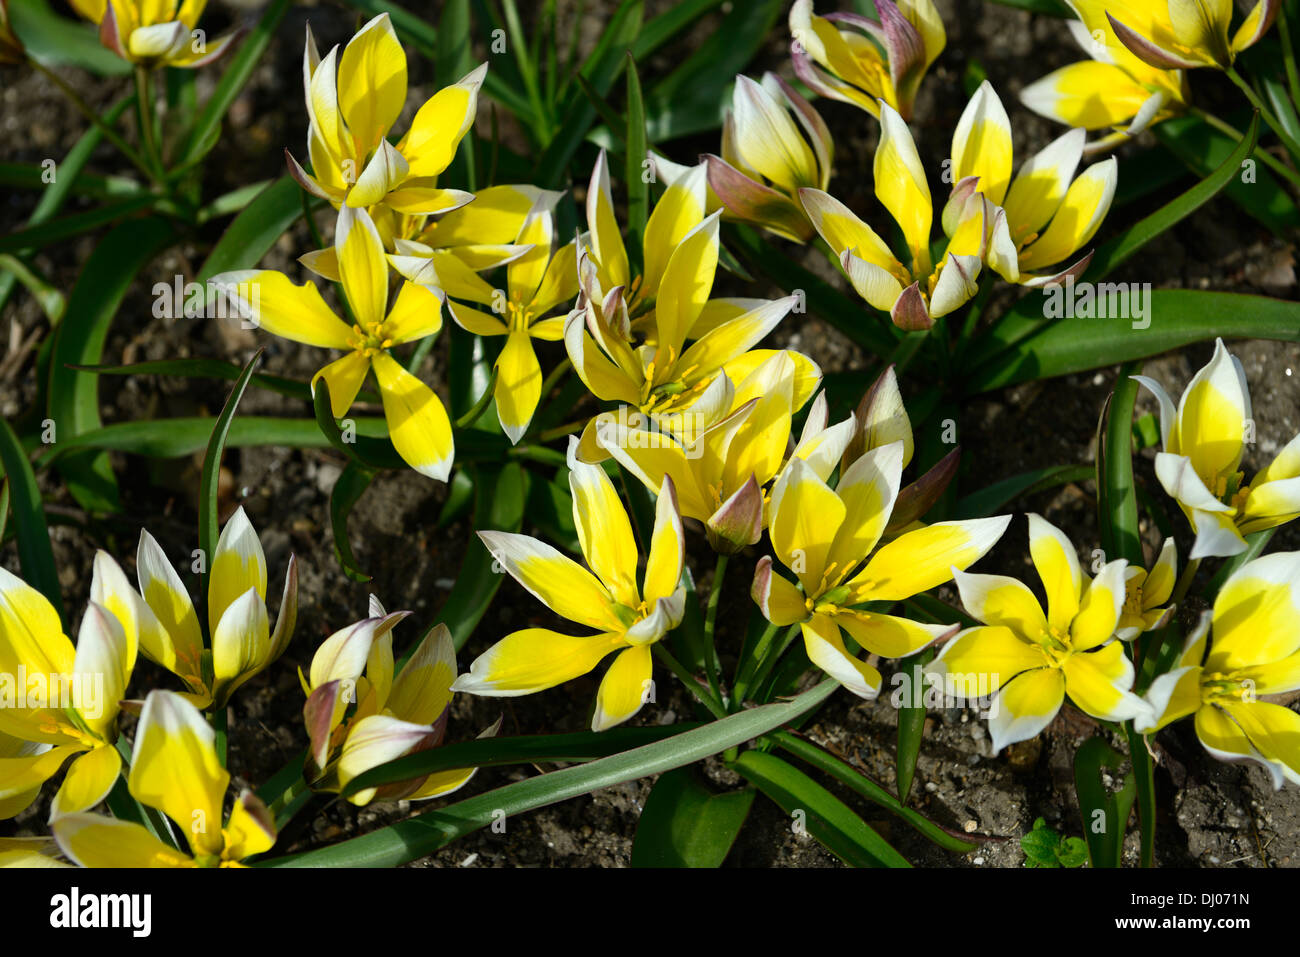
(919, 560)
(418, 425)
(557, 581)
(92, 840)
(979, 661)
(89, 779)
(1003, 602)
(825, 647)
(1057, 565)
(237, 565)
(627, 685)
(268, 300)
(534, 659)
(372, 82)
(1025, 706)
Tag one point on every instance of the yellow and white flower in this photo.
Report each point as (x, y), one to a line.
(1183, 34)
(828, 538)
(1203, 440)
(1115, 90)
(174, 769)
(848, 57)
(1032, 660)
(353, 100)
(916, 293)
(766, 158)
(59, 704)
(1145, 594)
(418, 424)
(540, 278)
(393, 717)
(243, 643)
(627, 618)
(154, 34)
(1037, 220)
(1248, 648)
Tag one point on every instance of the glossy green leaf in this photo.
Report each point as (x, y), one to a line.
(431, 830)
(371, 452)
(348, 489)
(239, 69)
(255, 230)
(1178, 317)
(1117, 500)
(73, 396)
(846, 774)
(992, 498)
(638, 188)
(210, 478)
(823, 815)
(54, 230)
(212, 369)
(59, 41)
(35, 556)
(911, 720)
(1105, 815)
(686, 823)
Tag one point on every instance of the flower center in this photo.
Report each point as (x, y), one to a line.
(370, 339)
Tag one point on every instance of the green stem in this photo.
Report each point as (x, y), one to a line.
(1144, 774)
(745, 673)
(711, 664)
(281, 804)
(1185, 581)
(568, 428)
(765, 666)
(701, 695)
(145, 115)
(1278, 129)
(85, 110)
(219, 718)
(1269, 160)
(1288, 56)
(479, 407)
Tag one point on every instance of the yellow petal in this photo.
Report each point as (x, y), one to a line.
(559, 582)
(805, 518)
(606, 237)
(768, 140)
(100, 671)
(344, 377)
(1026, 706)
(686, 284)
(534, 659)
(1099, 682)
(31, 635)
(372, 82)
(270, 301)
(981, 144)
(1076, 221)
(868, 489)
(604, 529)
(422, 691)
(844, 231)
(626, 686)
(1212, 416)
(663, 568)
(901, 186)
(175, 769)
(250, 830)
(519, 384)
(237, 565)
(89, 779)
(22, 774)
(179, 648)
(416, 313)
(825, 647)
(1089, 94)
(1058, 569)
(495, 216)
(679, 211)
(979, 661)
(888, 635)
(241, 643)
(921, 559)
(1099, 608)
(94, 841)
(363, 266)
(440, 125)
(417, 420)
(1004, 602)
(1257, 614)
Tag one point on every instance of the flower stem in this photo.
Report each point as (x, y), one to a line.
(1185, 581)
(85, 110)
(1278, 129)
(765, 666)
(1288, 56)
(145, 115)
(711, 664)
(1269, 160)
(745, 674)
(703, 696)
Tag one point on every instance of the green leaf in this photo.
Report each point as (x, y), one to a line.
(35, 556)
(1117, 250)
(47, 297)
(56, 41)
(1144, 782)
(371, 452)
(1073, 852)
(348, 489)
(522, 749)
(1116, 498)
(455, 59)
(848, 775)
(911, 720)
(1041, 846)
(431, 830)
(211, 369)
(255, 230)
(677, 18)
(685, 823)
(600, 70)
(638, 190)
(52, 231)
(692, 98)
(73, 396)
(1105, 815)
(993, 497)
(499, 506)
(1179, 317)
(210, 478)
(1201, 148)
(1046, 8)
(824, 815)
(239, 68)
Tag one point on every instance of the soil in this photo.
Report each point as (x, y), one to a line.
(1215, 814)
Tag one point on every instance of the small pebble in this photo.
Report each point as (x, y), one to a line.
(931, 787)
(969, 827)
(469, 860)
(978, 861)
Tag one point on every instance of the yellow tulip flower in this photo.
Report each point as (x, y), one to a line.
(1042, 216)
(1204, 440)
(1113, 91)
(1182, 34)
(720, 472)
(914, 295)
(174, 769)
(658, 374)
(539, 279)
(828, 538)
(849, 57)
(418, 424)
(1253, 639)
(766, 159)
(393, 716)
(60, 703)
(154, 34)
(353, 100)
(627, 619)
(1031, 661)
(1145, 592)
(243, 644)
